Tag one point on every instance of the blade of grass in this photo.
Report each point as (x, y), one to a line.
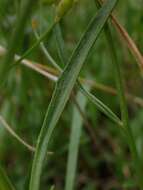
(102, 107)
(63, 54)
(5, 183)
(76, 129)
(16, 37)
(78, 116)
(60, 44)
(64, 87)
(77, 122)
(130, 43)
(123, 107)
(46, 53)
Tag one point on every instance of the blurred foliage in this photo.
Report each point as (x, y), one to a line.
(25, 97)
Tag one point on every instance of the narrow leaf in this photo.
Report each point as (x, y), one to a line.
(61, 48)
(60, 44)
(46, 53)
(102, 107)
(76, 129)
(64, 87)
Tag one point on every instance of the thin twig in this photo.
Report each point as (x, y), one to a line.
(129, 41)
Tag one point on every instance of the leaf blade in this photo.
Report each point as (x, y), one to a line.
(75, 134)
(102, 107)
(64, 88)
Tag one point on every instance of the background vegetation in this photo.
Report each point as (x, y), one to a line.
(104, 157)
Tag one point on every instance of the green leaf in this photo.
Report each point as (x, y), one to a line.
(46, 53)
(62, 51)
(75, 134)
(64, 87)
(102, 107)
(63, 54)
(5, 183)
